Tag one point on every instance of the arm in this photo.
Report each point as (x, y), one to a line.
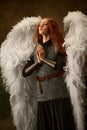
(30, 67)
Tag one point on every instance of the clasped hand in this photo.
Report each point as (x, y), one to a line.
(40, 53)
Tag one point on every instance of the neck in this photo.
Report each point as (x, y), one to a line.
(46, 38)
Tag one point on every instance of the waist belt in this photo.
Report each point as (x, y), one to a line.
(40, 79)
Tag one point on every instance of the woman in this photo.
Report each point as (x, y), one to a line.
(54, 111)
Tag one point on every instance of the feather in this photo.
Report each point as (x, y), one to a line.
(75, 27)
(14, 53)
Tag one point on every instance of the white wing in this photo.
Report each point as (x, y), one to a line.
(75, 26)
(15, 51)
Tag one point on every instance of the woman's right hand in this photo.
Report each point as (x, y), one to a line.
(40, 53)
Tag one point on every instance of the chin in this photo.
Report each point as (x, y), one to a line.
(40, 32)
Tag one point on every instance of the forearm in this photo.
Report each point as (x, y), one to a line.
(29, 69)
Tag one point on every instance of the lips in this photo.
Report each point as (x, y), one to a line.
(40, 29)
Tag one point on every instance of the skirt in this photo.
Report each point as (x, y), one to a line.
(55, 115)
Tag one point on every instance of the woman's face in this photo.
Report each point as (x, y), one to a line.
(43, 27)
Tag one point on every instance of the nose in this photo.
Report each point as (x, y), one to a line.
(41, 26)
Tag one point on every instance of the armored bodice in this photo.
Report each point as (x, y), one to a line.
(55, 87)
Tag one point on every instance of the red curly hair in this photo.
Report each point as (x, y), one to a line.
(55, 35)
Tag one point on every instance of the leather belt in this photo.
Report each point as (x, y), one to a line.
(40, 79)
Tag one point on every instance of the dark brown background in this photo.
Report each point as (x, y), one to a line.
(12, 11)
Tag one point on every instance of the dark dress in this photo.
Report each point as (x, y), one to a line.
(54, 110)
